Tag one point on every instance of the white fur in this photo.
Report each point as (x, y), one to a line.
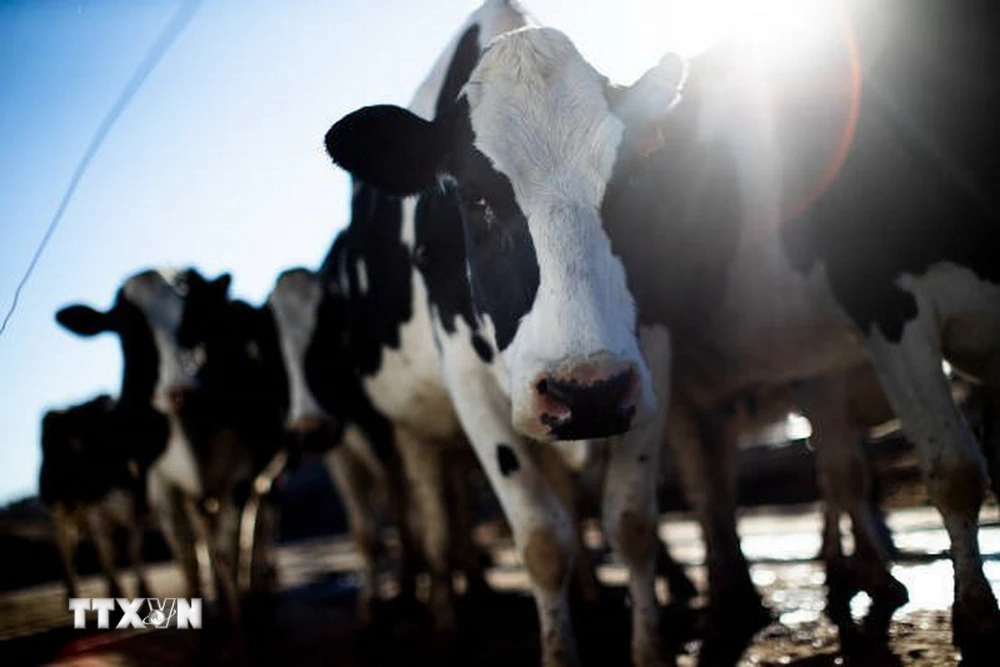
(295, 302)
(162, 305)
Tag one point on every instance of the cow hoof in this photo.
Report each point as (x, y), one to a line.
(885, 601)
(730, 627)
(682, 590)
(976, 632)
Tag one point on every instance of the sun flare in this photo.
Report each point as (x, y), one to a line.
(780, 27)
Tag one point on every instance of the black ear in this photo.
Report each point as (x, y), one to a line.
(389, 147)
(85, 321)
(647, 100)
(222, 283)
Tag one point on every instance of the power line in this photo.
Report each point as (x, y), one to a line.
(146, 66)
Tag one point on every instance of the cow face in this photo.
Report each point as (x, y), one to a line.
(146, 316)
(529, 147)
(206, 304)
(295, 302)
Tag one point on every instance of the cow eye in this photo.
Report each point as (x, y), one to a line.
(479, 204)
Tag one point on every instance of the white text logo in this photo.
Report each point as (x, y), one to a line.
(138, 613)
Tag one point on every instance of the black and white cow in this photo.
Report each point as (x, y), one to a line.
(329, 407)
(812, 230)
(94, 460)
(892, 258)
(214, 446)
(503, 267)
(235, 417)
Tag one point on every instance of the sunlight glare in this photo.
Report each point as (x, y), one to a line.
(775, 28)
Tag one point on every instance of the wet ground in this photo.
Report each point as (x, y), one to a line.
(312, 621)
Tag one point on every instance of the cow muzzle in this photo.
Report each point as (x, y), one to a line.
(595, 397)
(314, 434)
(179, 395)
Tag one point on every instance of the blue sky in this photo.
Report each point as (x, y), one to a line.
(218, 162)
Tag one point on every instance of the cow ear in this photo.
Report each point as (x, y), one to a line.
(388, 147)
(222, 283)
(85, 321)
(647, 100)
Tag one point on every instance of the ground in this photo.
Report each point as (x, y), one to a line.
(312, 621)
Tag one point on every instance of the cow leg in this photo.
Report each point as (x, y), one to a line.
(136, 530)
(67, 538)
(166, 504)
(991, 435)
(424, 471)
(101, 533)
(704, 450)
(542, 526)
(559, 475)
(220, 538)
(845, 482)
(953, 465)
(349, 479)
(465, 554)
(629, 510)
(679, 585)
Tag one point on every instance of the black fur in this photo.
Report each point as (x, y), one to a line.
(507, 460)
(920, 184)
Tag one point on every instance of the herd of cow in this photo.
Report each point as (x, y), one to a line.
(537, 255)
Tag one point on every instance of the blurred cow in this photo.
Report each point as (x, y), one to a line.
(330, 410)
(222, 408)
(95, 456)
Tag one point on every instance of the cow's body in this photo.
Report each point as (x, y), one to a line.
(769, 270)
(93, 479)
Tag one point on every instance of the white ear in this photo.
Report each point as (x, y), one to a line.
(649, 98)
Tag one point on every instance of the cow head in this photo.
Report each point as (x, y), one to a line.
(528, 148)
(295, 302)
(146, 316)
(206, 304)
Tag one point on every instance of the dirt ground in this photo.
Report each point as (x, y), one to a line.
(312, 621)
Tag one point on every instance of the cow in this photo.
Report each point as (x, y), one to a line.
(475, 307)
(94, 458)
(208, 465)
(835, 212)
(563, 185)
(328, 405)
(235, 412)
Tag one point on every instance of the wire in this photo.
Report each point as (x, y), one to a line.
(152, 58)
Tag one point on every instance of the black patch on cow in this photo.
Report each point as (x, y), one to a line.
(482, 348)
(503, 266)
(140, 357)
(673, 217)
(507, 460)
(921, 183)
(463, 61)
(374, 240)
(439, 255)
